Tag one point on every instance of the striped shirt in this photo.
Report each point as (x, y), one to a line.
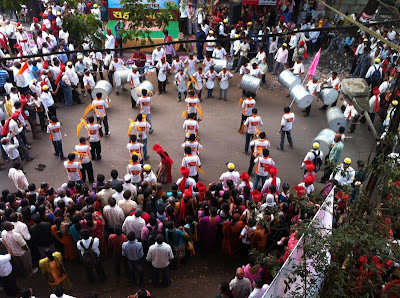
(3, 77)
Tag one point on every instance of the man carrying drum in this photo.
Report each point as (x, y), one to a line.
(163, 67)
(210, 75)
(332, 82)
(180, 79)
(225, 76)
(198, 84)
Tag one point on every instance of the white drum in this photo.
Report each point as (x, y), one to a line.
(219, 64)
(325, 139)
(263, 67)
(250, 83)
(224, 85)
(121, 77)
(182, 87)
(301, 96)
(335, 118)
(288, 79)
(104, 87)
(162, 77)
(328, 95)
(198, 86)
(210, 84)
(136, 92)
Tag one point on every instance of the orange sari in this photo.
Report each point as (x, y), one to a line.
(68, 242)
(231, 241)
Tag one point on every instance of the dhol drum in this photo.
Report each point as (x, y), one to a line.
(121, 77)
(288, 79)
(198, 86)
(325, 139)
(136, 92)
(301, 96)
(224, 85)
(104, 87)
(219, 65)
(263, 67)
(335, 118)
(328, 95)
(250, 83)
(181, 87)
(161, 77)
(210, 84)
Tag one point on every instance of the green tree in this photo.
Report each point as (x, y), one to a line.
(12, 4)
(142, 16)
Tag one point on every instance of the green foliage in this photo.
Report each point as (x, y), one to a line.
(144, 16)
(83, 28)
(12, 4)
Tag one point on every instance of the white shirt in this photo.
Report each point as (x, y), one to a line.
(207, 63)
(260, 57)
(156, 55)
(371, 70)
(189, 181)
(298, 68)
(134, 79)
(63, 296)
(88, 81)
(177, 65)
(210, 43)
(311, 155)
(133, 224)
(191, 63)
(19, 179)
(252, 123)
(258, 293)
(287, 121)
(350, 112)
(247, 106)
(145, 105)
(73, 170)
(180, 78)
(84, 151)
(47, 100)
(117, 66)
(234, 176)
(334, 82)
(268, 183)
(66, 200)
(93, 130)
(211, 75)
(159, 255)
(5, 265)
(22, 229)
(313, 87)
(12, 149)
(163, 67)
(262, 164)
(114, 215)
(259, 145)
(54, 130)
(219, 53)
(342, 176)
(191, 162)
(225, 76)
(86, 244)
(110, 42)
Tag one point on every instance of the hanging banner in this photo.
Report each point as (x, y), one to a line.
(115, 8)
(250, 2)
(267, 2)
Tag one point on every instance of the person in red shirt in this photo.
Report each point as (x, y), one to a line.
(140, 61)
(115, 242)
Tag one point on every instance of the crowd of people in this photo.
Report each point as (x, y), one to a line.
(138, 221)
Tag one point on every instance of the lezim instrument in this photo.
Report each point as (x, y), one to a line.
(335, 118)
(301, 96)
(250, 83)
(103, 87)
(288, 79)
(325, 139)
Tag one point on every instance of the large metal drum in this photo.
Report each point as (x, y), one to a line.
(328, 95)
(121, 77)
(103, 87)
(250, 83)
(219, 64)
(288, 79)
(136, 92)
(335, 118)
(301, 96)
(325, 138)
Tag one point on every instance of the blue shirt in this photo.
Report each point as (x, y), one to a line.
(3, 77)
(133, 250)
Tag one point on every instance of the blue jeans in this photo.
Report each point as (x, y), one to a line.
(209, 92)
(257, 178)
(136, 266)
(249, 136)
(141, 71)
(67, 94)
(58, 148)
(225, 93)
(289, 137)
(148, 118)
(180, 95)
(165, 274)
(144, 142)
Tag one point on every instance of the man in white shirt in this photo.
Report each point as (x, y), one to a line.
(116, 65)
(113, 214)
(110, 41)
(160, 255)
(243, 49)
(286, 127)
(210, 43)
(298, 67)
(91, 244)
(240, 285)
(134, 223)
(62, 197)
(224, 75)
(163, 67)
(156, 56)
(231, 174)
(11, 149)
(344, 174)
(219, 53)
(332, 82)
(192, 162)
(8, 276)
(18, 177)
(314, 88)
(20, 227)
(252, 125)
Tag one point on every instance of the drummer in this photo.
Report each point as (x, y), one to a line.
(191, 104)
(314, 88)
(191, 64)
(162, 66)
(332, 82)
(116, 64)
(244, 69)
(144, 103)
(177, 64)
(219, 53)
(297, 69)
(210, 75)
(225, 76)
(208, 62)
(199, 77)
(134, 81)
(261, 57)
(256, 72)
(181, 78)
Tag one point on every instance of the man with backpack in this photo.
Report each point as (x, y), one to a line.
(150, 232)
(333, 159)
(314, 155)
(374, 74)
(89, 248)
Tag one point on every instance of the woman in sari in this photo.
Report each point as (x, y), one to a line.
(52, 267)
(208, 230)
(231, 233)
(60, 231)
(259, 237)
(164, 174)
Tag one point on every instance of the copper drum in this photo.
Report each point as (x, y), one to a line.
(301, 96)
(121, 77)
(288, 79)
(328, 95)
(250, 83)
(104, 87)
(219, 64)
(137, 92)
(325, 139)
(335, 118)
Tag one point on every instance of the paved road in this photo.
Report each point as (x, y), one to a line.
(222, 144)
